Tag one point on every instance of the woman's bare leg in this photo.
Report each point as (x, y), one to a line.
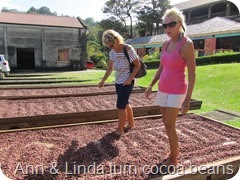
(169, 119)
(129, 112)
(121, 120)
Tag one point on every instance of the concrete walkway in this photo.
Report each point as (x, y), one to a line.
(222, 115)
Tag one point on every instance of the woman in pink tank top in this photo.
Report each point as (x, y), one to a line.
(174, 91)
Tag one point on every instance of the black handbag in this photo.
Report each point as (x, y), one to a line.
(143, 68)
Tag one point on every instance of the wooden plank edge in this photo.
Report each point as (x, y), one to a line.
(205, 173)
(237, 115)
(67, 118)
(217, 121)
(53, 86)
(76, 124)
(77, 114)
(88, 116)
(65, 95)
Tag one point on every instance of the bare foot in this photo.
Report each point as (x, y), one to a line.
(169, 162)
(128, 128)
(168, 156)
(119, 133)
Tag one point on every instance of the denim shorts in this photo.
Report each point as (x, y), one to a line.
(123, 94)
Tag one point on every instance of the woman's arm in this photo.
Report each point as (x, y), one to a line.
(134, 72)
(107, 73)
(187, 53)
(156, 76)
(153, 82)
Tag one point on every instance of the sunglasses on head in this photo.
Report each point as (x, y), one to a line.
(171, 25)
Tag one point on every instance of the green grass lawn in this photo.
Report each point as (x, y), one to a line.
(94, 77)
(235, 122)
(217, 86)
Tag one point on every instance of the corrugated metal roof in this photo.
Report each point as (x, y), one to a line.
(213, 27)
(144, 41)
(39, 19)
(193, 3)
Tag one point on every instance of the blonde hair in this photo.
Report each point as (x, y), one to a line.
(177, 15)
(111, 36)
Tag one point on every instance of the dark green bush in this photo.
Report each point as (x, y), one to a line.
(97, 57)
(152, 64)
(151, 57)
(102, 64)
(205, 60)
(218, 59)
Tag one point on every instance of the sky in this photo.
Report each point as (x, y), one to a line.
(73, 8)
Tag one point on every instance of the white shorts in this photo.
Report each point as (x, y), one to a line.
(169, 100)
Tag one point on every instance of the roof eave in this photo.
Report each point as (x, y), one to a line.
(41, 25)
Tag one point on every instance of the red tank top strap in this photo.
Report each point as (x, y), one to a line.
(167, 43)
(184, 39)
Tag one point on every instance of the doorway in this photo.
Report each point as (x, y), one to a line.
(25, 58)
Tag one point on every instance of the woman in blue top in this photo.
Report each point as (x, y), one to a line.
(124, 79)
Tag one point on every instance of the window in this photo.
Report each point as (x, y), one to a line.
(63, 55)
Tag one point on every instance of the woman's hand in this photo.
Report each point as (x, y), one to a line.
(128, 82)
(185, 106)
(148, 92)
(101, 83)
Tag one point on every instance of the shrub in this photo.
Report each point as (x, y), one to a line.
(151, 57)
(97, 57)
(102, 64)
(228, 52)
(226, 57)
(218, 59)
(154, 64)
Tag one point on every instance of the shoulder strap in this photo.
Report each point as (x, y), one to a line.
(165, 45)
(125, 52)
(184, 39)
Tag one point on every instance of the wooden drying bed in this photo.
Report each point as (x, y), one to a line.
(49, 86)
(34, 107)
(60, 91)
(135, 90)
(203, 142)
(81, 117)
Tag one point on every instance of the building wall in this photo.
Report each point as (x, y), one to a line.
(46, 42)
(141, 52)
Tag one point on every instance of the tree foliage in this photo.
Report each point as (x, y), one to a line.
(93, 29)
(5, 9)
(32, 10)
(113, 23)
(90, 22)
(93, 47)
(151, 13)
(122, 9)
(147, 12)
(42, 10)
